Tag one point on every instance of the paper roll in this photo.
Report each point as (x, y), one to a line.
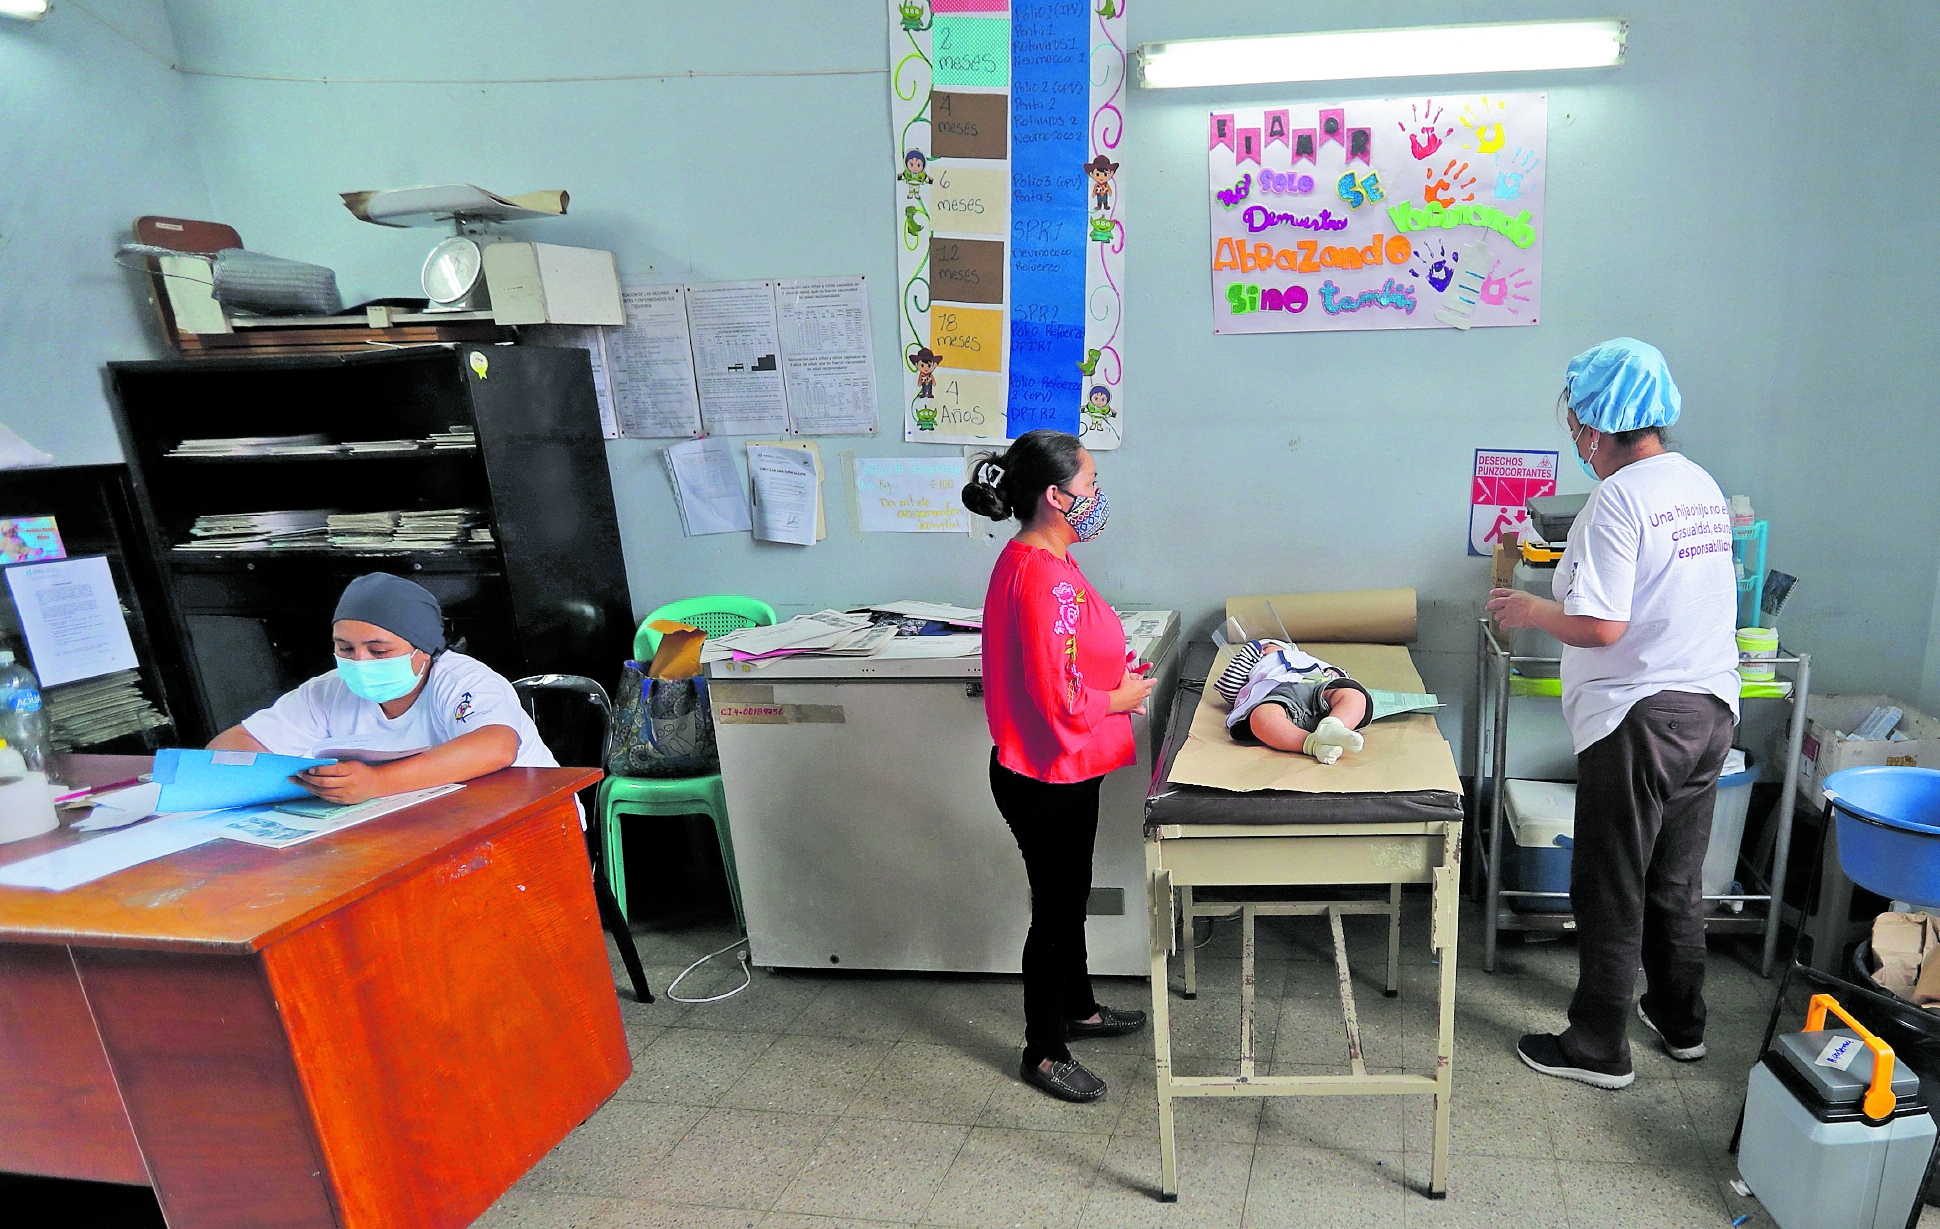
(1361, 616)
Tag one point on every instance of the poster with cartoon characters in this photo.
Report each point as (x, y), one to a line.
(1408, 213)
(1007, 117)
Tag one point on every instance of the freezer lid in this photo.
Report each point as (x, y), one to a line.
(1149, 633)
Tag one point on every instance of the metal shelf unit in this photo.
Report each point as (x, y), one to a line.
(1495, 672)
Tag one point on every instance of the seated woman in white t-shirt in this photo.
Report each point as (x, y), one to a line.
(396, 688)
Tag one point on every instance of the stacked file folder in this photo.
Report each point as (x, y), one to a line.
(224, 531)
(93, 711)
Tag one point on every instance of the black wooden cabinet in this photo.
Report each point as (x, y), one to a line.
(548, 595)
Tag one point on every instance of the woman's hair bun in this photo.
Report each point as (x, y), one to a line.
(981, 494)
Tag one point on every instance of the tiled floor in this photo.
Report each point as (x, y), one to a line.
(827, 1101)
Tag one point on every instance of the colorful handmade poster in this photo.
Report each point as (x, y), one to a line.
(1505, 479)
(1011, 260)
(1410, 213)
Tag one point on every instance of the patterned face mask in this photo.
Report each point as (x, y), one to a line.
(1088, 513)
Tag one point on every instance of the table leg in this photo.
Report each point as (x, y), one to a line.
(1188, 942)
(1499, 771)
(1787, 799)
(1394, 940)
(1159, 901)
(1448, 919)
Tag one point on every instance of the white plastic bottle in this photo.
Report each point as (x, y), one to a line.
(26, 801)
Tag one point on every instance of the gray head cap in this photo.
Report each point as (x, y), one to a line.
(401, 607)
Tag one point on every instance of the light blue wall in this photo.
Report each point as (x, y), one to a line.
(1735, 193)
(93, 133)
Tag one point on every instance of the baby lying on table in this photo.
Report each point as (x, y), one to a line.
(1293, 701)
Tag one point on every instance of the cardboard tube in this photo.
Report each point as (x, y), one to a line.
(1362, 616)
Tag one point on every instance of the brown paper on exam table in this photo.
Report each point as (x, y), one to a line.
(1402, 755)
(1365, 616)
(808, 446)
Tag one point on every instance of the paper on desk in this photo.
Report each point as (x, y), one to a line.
(71, 616)
(826, 355)
(280, 829)
(786, 494)
(940, 612)
(97, 857)
(118, 808)
(737, 358)
(921, 647)
(707, 487)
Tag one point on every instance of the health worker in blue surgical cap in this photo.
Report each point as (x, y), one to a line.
(401, 711)
(1646, 607)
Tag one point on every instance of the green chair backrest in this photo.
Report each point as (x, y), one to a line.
(717, 616)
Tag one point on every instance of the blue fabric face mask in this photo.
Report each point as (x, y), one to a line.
(1587, 468)
(380, 679)
(1088, 514)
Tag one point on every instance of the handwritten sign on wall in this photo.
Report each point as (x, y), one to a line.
(911, 495)
(1411, 213)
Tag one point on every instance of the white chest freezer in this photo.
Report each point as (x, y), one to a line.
(858, 795)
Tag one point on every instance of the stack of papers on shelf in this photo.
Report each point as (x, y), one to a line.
(362, 529)
(255, 530)
(358, 447)
(483, 533)
(458, 437)
(436, 528)
(91, 712)
(829, 633)
(256, 446)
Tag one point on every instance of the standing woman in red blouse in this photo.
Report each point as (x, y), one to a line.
(1059, 699)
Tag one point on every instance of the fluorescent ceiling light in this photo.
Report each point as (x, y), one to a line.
(24, 10)
(1415, 51)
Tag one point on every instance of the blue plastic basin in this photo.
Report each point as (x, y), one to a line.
(1889, 830)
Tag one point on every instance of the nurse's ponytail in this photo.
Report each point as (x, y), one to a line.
(1007, 485)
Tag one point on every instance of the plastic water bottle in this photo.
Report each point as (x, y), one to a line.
(23, 722)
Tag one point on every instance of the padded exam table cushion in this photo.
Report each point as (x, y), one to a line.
(1405, 774)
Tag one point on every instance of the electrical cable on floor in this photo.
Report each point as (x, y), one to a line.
(1212, 924)
(747, 973)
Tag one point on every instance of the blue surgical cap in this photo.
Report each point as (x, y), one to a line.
(401, 607)
(1622, 385)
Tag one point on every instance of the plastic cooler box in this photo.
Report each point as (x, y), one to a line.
(1542, 824)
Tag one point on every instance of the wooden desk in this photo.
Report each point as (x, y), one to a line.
(381, 1029)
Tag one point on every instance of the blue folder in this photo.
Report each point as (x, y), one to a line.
(213, 780)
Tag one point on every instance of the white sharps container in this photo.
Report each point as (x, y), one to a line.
(1835, 1134)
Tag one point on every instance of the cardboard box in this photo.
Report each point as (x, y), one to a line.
(1823, 752)
(543, 283)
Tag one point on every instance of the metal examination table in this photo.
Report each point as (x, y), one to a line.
(1198, 837)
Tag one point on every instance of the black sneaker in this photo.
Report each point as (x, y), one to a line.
(1111, 1023)
(1683, 1054)
(1067, 1081)
(1544, 1052)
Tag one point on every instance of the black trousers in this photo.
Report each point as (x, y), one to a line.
(1055, 827)
(1644, 795)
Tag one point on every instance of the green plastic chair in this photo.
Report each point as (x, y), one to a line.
(665, 796)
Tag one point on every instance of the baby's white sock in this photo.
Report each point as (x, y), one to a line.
(1331, 737)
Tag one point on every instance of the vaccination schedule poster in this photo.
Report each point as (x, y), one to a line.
(1007, 117)
(1408, 213)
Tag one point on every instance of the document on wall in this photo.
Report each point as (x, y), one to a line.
(827, 358)
(737, 358)
(813, 450)
(911, 495)
(786, 493)
(650, 361)
(71, 615)
(707, 487)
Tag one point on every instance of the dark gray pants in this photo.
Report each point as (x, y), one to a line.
(1644, 796)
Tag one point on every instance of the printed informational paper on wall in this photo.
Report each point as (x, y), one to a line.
(911, 495)
(650, 362)
(707, 487)
(827, 360)
(737, 358)
(24, 539)
(1504, 480)
(785, 494)
(71, 616)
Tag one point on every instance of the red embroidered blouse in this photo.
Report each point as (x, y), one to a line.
(1053, 651)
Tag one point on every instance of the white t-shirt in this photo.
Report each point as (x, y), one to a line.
(1652, 549)
(463, 694)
